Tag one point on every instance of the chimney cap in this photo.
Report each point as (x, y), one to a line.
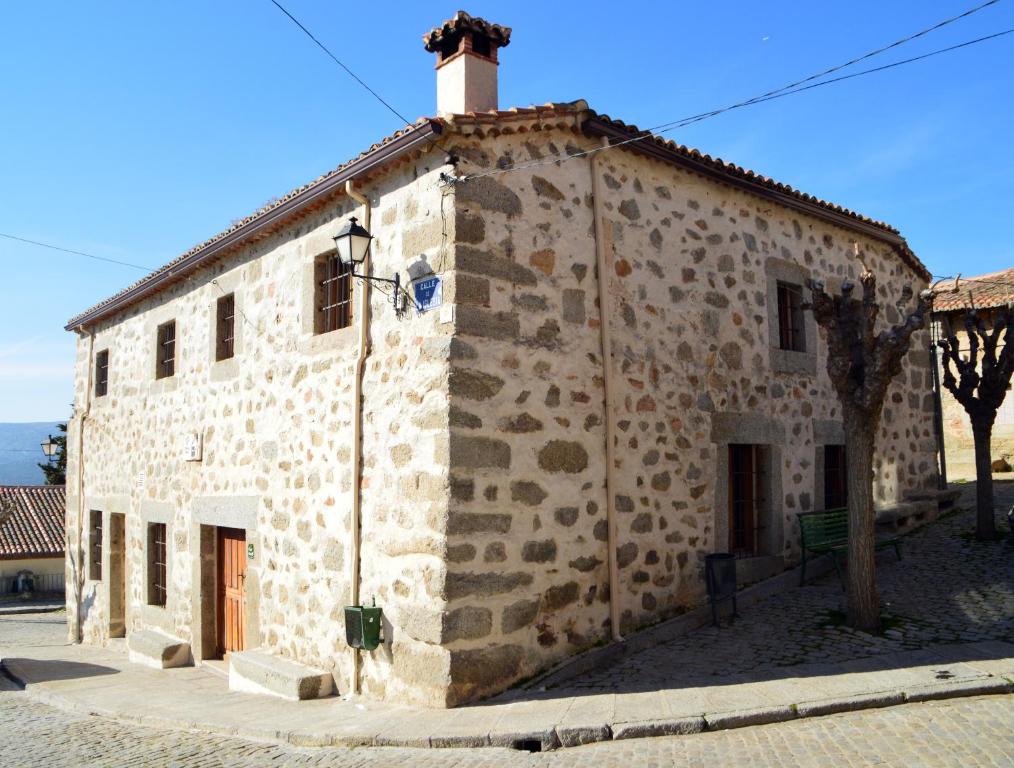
(462, 22)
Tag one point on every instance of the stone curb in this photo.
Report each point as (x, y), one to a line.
(553, 737)
(26, 609)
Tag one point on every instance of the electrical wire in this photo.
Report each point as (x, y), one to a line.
(656, 131)
(352, 74)
(78, 253)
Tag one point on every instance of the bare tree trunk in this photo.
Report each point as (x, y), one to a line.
(863, 600)
(985, 525)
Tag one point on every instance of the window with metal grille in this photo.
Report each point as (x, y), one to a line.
(102, 373)
(790, 317)
(95, 544)
(333, 295)
(157, 564)
(225, 331)
(835, 477)
(746, 498)
(166, 353)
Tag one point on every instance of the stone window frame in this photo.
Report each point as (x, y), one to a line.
(102, 373)
(224, 285)
(157, 588)
(777, 271)
(730, 428)
(825, 432)
(162, 341)
(157, 512)
(312, 342)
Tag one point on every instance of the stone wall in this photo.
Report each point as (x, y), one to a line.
(277, 449)
(692, 267)
(484, 497)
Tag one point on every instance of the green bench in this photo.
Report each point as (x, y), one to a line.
(827, 531)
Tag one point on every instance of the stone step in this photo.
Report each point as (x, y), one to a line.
(157, 649)
(260, 672)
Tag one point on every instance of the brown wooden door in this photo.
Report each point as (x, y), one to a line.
(231, 589)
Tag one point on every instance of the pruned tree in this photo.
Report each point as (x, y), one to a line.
(861, 364)
(980, 387)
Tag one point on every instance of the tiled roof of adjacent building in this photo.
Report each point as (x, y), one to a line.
(34, 526)
(983, 291)
(421, 136)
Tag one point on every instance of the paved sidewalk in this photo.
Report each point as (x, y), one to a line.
(953, 598)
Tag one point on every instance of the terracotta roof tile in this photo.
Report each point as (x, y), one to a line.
(517, 119)
(237, 225)
(462, 22)
(983, 291)
(35, 526)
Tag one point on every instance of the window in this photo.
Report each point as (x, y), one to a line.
(835, 477)
(225, 331)
(102, 373)
(746, 498)
(790, 317)
(95, 545)
(157, 564)
(166, 353)
(333, 295)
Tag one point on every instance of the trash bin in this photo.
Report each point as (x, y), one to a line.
(720, 575)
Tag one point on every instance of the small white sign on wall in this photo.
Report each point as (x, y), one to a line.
(192, 446)
(140, 480)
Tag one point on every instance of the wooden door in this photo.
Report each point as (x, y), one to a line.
(744, 498)
(231, 589)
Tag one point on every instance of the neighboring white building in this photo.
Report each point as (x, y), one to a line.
(32, 536)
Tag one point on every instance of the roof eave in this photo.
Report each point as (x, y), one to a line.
(384, 153)
(595, 126)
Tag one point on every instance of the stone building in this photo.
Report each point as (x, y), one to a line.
(952, 298)
(621, 379)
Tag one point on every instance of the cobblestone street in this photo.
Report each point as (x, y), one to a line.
(962, 732)
(947, 589)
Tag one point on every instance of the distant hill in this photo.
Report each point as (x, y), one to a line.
(21, 451)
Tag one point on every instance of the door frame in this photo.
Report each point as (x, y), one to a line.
(207, 514)
(221, 537)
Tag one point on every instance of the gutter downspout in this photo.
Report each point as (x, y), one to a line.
(605, 312)
(357, 422)
(938, 414)
(79, 577)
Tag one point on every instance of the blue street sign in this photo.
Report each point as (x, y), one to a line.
(429, 293)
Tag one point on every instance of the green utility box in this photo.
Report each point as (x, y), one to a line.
(362, 626)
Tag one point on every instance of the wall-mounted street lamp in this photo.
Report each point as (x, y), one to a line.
(353, 243)
(50, 448)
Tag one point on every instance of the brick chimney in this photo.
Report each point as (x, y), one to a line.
(466, 49)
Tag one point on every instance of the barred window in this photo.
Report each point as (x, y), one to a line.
(333, 294)
(157, 564)
(790, 317)
(95, 544)
(102, 373)
(166, 353)
(225, 332)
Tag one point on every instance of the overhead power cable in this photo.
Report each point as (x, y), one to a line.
(78, 253)
(352, 74)
(656, 131)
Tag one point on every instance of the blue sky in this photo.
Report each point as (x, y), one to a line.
(135, 130)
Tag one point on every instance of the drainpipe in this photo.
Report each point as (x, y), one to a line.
(605, 313)
(79, 577)
(357, 421)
